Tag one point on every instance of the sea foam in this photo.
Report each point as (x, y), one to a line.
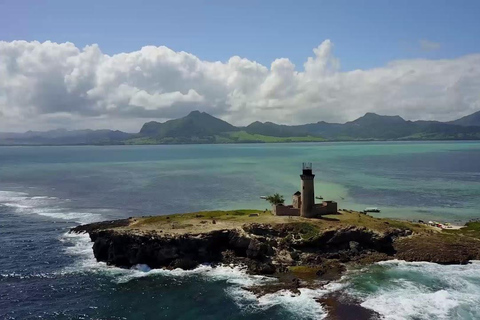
(420, 290)
(51, 207)
(302, 306)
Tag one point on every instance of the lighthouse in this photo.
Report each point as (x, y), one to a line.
(303, 203)
(307, 208)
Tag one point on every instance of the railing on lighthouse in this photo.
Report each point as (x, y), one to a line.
(307, 168)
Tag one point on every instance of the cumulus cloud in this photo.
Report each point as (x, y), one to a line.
(46, 85)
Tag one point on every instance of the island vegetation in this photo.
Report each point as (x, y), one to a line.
(275, 199)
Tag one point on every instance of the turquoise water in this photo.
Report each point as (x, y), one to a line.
(46, 190)
(400, 290)
(406, 180)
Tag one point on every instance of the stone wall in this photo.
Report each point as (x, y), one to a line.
(282, 210)
(326, 207)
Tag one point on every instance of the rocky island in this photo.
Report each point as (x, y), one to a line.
(293, 248)
(302, 245)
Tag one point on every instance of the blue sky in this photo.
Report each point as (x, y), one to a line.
(300, 61)
(366, 34)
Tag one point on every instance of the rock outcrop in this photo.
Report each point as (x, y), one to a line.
(262, 248)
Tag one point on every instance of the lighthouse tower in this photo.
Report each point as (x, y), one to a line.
(307, 208)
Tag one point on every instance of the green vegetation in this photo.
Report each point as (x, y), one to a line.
(471, 229)
(470, 120)
(305, 229)
(227, 137)
(195, 124)
(243, 136)
(205, 221)
(218, 214)
(275, 199)
(202, 128)
(306, 273)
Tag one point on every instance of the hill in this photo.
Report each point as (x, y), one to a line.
(201, 127)
(196, 123)
(275, 130)
(470, 120)
(196, 127)
(371, 126)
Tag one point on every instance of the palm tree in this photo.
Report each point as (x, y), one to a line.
(275, 199)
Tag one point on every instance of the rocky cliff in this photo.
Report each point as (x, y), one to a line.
(262, 248)
(299, 252)
(267, 244)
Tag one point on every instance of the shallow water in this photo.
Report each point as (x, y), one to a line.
(47, 273)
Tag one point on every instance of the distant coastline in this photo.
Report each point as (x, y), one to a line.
(231, 143)
(203, 128)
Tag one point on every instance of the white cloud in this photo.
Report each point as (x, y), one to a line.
(154, 101)
(45, 85)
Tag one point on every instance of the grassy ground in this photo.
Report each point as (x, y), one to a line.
(242, 136)
(227, 137)
(206, 221)
(471, 229)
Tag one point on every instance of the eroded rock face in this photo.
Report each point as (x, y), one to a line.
(262, 248)
(354, 240)
(439, 249)
(126, 249)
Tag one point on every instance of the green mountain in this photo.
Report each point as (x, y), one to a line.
(274, 130)
(196, 123)
(372, 127)
(201, 127)
(196, 127)
(470, 120)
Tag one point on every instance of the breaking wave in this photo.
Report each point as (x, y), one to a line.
(52, 207)
(419, 290)
(303, 305)
(394, 289)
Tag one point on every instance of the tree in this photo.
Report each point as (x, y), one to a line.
(275, 199)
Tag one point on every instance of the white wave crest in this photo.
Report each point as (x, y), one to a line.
(302, 305)
(52, 207)
(420, 290)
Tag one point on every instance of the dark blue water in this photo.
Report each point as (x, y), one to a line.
(44, 191)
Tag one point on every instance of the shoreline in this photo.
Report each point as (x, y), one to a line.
(242, 143)
(320, 249)
(297, 252)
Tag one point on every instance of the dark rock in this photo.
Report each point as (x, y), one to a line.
(342, 308)
(333, 241)
(87, 228)
(259, 229)
(258, 250)
(354, 245)
(262, 248)
(330, 270)
(185, 264)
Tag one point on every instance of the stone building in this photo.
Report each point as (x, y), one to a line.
(297, 200)
(303, 203)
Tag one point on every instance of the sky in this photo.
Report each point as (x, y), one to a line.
(117, 64)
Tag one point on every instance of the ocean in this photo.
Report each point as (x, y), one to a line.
(47, 273)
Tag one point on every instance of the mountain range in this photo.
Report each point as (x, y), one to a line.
(201, 127)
